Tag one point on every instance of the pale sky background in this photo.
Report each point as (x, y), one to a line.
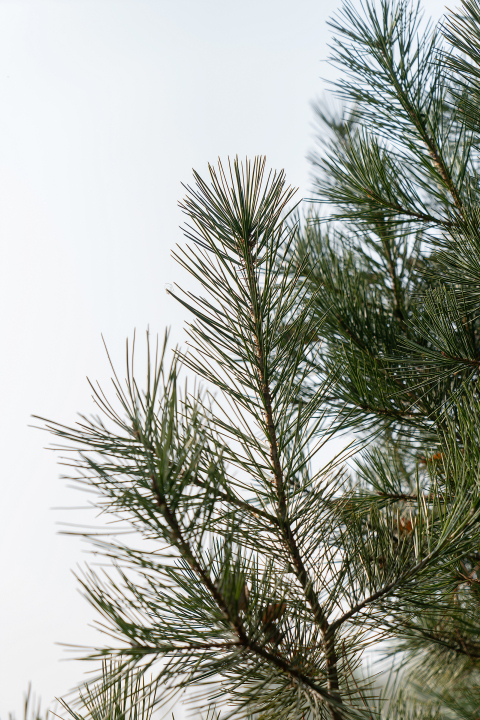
(105, 106)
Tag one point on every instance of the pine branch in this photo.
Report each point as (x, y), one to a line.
(288, 536)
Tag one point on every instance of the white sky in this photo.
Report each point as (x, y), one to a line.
(105, 107)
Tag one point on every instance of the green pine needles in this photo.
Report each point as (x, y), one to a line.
(257, 579)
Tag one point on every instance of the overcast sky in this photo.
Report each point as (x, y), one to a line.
(105, 106)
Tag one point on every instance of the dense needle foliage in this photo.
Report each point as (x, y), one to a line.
(260, 579)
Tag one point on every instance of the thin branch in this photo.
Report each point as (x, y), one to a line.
(386, 590)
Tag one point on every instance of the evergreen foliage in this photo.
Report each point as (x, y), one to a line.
(393, 263)
(258, 581)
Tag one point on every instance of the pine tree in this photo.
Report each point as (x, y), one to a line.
(258, 580)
